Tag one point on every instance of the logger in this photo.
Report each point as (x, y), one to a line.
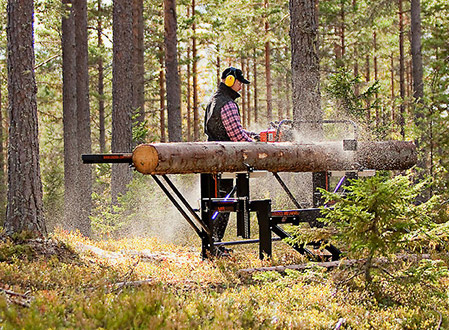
(243, 160)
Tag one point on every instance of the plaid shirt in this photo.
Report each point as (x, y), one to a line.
(231, 120)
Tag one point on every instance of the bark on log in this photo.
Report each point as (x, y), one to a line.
(215, 157)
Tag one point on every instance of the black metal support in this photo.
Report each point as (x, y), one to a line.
(319, 180)
(301, 248)
(287, 191)
(243, 225)
(177, 205)
(209, 190)
(186, 204)
(263, 211)
(245, 241)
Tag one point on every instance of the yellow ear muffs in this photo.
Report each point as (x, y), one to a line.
(229, 81)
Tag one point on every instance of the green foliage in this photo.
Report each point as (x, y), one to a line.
(377, 215)
(342, 86)
(139, 130)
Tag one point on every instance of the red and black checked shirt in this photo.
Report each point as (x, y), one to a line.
(231, 120)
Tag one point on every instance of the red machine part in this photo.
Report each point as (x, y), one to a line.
(268, 135)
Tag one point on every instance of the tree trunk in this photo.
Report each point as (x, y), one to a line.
(243, 93)
(138, 60)
(188, 96)
(305, 67)
(342, 28)
(84, 182)
(215, 157)
(393, 96)
(256, 105)
(162, 94)
(268, 67)
(248, 96)
(2, 166)
(356, 69)
(367, 79)
(401, 71)
(171, 68)
(288, 88)
(122, 92)
(418, 86)
(196, 125)
(69, 117)
(25, 207)
(100, 89)
(376, 76)
(218, 65)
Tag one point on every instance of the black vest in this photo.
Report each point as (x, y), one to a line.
(213, 126)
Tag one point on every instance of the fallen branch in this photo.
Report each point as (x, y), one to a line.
(332, 264)
(17, 298)
(120, 285)
(12, 293)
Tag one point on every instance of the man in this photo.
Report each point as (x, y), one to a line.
(222, 123)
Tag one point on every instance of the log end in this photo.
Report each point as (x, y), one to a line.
(145, 159)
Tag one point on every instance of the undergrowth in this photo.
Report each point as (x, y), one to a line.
(147, 284)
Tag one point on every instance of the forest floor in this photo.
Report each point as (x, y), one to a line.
(70, 282)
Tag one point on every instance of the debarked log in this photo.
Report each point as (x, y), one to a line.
(216, 157)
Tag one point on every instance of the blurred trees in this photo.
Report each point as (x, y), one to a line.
(359, 46)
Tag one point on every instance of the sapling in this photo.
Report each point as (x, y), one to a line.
(376, 215)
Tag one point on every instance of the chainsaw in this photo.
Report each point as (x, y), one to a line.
(282, 131)
(278, 131)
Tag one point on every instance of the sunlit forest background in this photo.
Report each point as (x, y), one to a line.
(365, 63)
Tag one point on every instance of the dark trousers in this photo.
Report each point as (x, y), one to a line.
(220, 223)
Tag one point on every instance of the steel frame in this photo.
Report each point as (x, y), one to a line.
(269, 221)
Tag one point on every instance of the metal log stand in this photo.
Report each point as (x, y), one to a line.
(269, 221)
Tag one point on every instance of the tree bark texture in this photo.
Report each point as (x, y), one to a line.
(100, 87)
(2, 166)
(248, 95)
(69, 117)
(25, 207)
(215, 157)
(305, 66)
(162, 95)
(138, 60)
(418, 87)
(173, 86)
(196, 123)
(367, 79)
(268, 67)
(401, 71)
(189, 91)
(84, 182)
(393, 95)
(376, 75)
(122, 92)
(256, 110)
(243, 94)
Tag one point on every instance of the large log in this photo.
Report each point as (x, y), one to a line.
(215, 157)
